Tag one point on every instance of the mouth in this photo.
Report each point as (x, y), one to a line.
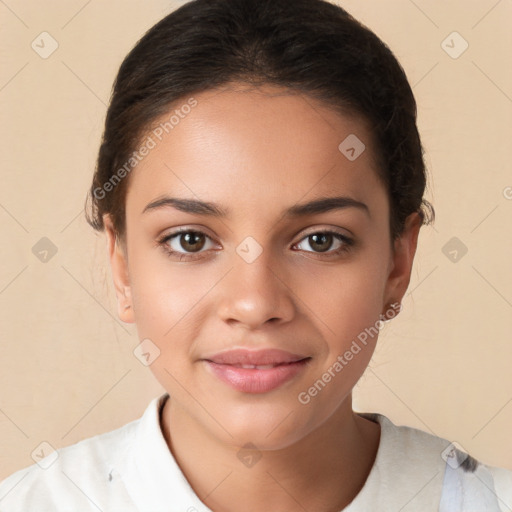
(256, 371)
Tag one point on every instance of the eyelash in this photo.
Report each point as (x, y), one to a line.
(347, 244)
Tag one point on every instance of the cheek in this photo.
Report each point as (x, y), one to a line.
(167, 299)
(346, 308)
(347, 297)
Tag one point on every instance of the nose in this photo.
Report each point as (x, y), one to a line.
(255, 294)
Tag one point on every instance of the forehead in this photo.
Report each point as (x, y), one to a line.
(245, 145)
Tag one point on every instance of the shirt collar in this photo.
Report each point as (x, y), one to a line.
(408, 470)
(156, 483)
(149, 471)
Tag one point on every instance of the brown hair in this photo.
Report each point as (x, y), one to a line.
(308, 46)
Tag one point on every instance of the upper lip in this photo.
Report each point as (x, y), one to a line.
(254, 357)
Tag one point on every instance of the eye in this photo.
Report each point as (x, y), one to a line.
(185, 243)
(322, 242)
(188, 244)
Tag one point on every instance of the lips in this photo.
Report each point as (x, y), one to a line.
(258, 371)
(250, 358)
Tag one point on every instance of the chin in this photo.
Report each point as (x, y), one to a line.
(268, 426)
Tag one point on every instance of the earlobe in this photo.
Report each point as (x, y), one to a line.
(120, 275)
(404, 250)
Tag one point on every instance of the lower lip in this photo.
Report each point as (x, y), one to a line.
(253, 380)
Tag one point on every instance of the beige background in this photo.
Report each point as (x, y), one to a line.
(67, 369)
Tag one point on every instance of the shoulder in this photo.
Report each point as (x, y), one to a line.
(75, 476)
(438, 471)
(469, 484)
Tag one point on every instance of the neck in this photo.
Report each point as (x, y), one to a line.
(323, 471)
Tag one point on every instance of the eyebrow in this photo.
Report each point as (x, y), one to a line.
(198, 207)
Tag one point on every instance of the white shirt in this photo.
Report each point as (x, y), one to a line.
(132, 469)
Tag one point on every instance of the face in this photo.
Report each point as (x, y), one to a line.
(248, 228)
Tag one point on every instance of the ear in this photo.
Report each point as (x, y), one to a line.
(119, 266)
(404, 249)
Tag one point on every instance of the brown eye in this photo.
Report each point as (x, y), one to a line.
(328, 242)
(187, 245)
(186, 242)
(320, 242)
(191, 241)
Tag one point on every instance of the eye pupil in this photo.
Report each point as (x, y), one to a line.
(324, 240)
(192, 241)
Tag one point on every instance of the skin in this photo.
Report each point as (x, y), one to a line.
(257, 152)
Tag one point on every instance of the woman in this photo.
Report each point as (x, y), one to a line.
(260, 182)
